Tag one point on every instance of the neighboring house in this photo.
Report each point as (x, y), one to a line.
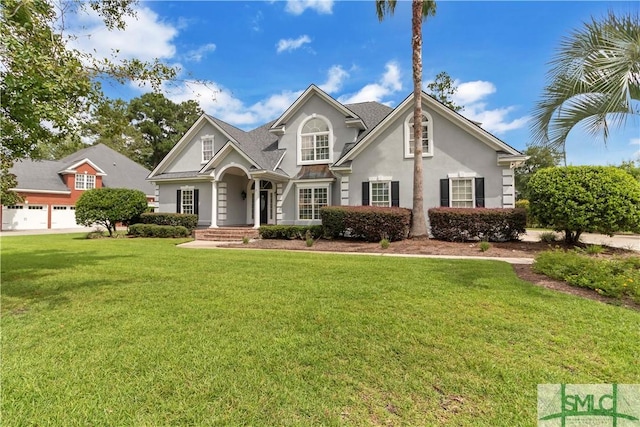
(320, 152)
(50, 188)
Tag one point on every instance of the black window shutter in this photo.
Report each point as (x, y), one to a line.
(195, 201)
(444, 193)
(365, 193)
(479, 192)
(179, 201)
(395, 193)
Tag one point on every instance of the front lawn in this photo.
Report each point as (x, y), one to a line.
(139, 332)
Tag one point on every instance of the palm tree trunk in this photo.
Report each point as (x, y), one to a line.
(419, 222)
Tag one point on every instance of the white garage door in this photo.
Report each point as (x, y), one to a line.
(64, 217)
(24, 217)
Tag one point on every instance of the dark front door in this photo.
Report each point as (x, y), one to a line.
(263, 206)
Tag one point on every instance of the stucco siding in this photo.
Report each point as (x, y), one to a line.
(315, 105)
(190, 158)
(168, 202)
(236, 207)
(455, 151)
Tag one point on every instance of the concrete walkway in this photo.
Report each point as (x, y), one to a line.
(623, 241)
(201, 244)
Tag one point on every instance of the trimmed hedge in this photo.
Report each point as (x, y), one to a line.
(154, 230)
(370, 223)
(464, 224)
(290, 232)
(189, 221)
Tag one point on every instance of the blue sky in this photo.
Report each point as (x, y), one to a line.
(256, 57)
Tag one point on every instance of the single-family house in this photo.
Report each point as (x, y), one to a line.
(321, 152)
(50, 188)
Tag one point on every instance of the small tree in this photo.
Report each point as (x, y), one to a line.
(577, 199)
(108, 206)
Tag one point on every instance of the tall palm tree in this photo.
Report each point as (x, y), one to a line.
(420, 11)
(594, 81)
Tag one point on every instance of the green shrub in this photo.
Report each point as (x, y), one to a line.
(526, 205)
(109, 206)
(577, 199)
(594, 249)
(245, 240)
(615, 277)
(290, 232)
(154, 230)
(548, 237)
(370, 223)
(484, 246)
(464, 224)
(189, 221)
(384, 243)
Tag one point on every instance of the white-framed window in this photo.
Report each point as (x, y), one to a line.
(462, 193)
(311, 200)
(314, 141)
(207, 148)
(85, 181)
(380, 193)
(187, 201)
(427, 135)
(14, 207)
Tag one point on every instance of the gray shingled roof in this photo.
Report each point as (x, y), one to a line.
(121, 171)
(261, 146)
(39, 175)
(174, 175)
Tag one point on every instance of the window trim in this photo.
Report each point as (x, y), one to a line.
(408, 134)
(184, 190)
(203, 139)
(313, 187)
(85, 181)
(472, 180)
(299, 141)
(388, 183)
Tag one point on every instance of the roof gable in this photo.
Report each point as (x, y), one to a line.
(184, 141)
(351, 118)
(454, 117)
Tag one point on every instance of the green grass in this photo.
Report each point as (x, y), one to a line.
(139, 332)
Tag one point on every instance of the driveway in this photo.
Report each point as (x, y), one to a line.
(624, 241)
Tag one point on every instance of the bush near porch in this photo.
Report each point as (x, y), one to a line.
(189, 221)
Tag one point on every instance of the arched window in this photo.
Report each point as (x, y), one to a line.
(315, 141)
(427, 135)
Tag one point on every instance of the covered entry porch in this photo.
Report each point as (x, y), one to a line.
(245, 198)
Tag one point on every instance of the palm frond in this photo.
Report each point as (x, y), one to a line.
(594, 80)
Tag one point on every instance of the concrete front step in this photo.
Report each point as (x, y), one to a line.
(228, 234)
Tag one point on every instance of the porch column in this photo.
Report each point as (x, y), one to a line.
(256, 204)
(214, 204)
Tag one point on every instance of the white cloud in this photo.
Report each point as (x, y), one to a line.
(389, 83)
(495, 120)
(297, 7)
(635, 142)
(470, 92)
(145, 37)
(472, 95)
(334, 80)
(196, 55)
(292, 44)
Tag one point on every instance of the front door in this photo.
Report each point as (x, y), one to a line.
(264, 199)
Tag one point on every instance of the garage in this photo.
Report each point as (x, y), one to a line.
(24, 217)
(63, 217)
